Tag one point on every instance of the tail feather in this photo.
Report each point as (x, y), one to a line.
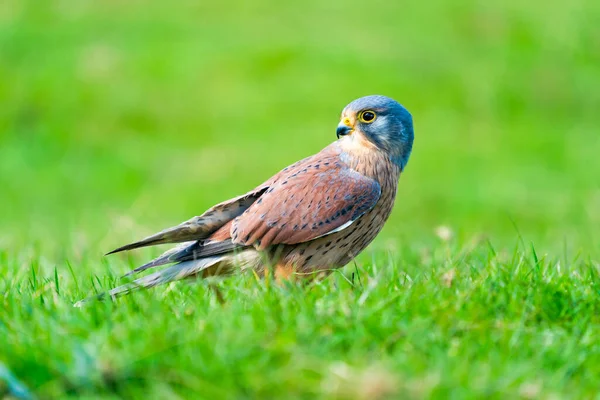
(173, 273)
(189, 251)
(168, 257)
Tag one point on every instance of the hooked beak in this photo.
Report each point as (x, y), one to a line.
(344, 128)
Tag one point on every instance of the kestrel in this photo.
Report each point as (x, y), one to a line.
(311, 217)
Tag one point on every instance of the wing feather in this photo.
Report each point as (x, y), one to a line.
(313, 198)
(203, 226)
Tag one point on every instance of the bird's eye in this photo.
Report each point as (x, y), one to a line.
(367, 116)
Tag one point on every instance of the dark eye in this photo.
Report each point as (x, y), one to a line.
(367, 116)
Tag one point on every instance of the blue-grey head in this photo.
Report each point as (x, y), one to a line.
(383, 122)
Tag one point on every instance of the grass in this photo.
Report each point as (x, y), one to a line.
(119, 119)
(484, 324)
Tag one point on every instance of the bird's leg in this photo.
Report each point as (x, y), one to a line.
(218, 293)
(290, 272)
(270, 260)
(284, 271)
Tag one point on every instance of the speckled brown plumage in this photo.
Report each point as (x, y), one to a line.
(311, 217)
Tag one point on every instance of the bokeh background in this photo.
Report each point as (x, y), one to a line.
(119, 118)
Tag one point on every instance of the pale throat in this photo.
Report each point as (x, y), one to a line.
(357, 144)
(364, 157)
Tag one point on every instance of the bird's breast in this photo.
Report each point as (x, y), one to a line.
(373, 163)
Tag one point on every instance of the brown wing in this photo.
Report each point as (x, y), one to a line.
(315, 197)
(201, 227)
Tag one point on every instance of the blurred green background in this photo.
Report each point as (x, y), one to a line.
(119, 118)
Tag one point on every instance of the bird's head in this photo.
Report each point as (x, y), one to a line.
(378, 121)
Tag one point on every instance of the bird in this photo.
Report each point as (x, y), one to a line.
(312, 217)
